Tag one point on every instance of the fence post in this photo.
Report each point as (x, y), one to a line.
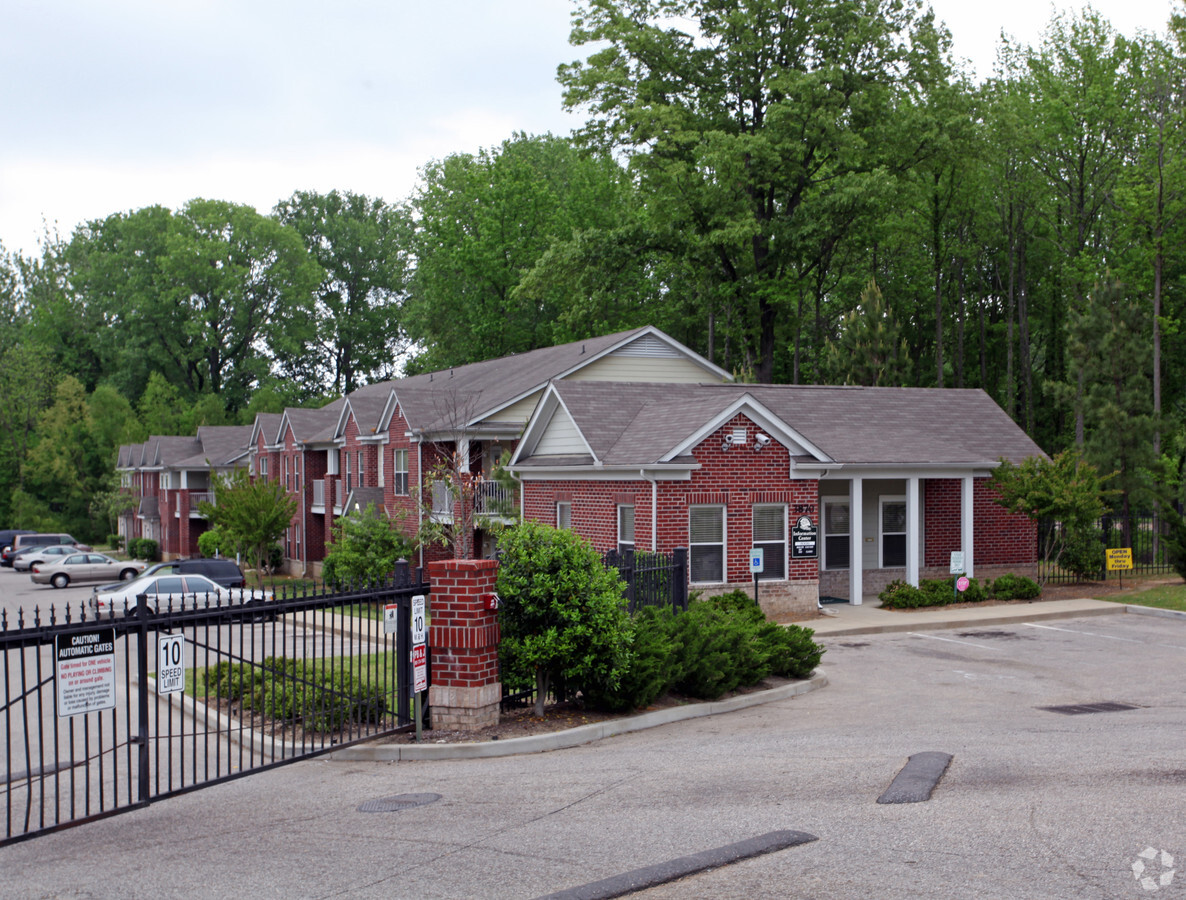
(463, 635)
(142, 696)
(679, 579)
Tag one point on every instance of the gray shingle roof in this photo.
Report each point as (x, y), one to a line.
(431, 402)
(641, 424)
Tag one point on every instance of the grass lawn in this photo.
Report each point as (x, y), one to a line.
(1162, 596)
(373, 669)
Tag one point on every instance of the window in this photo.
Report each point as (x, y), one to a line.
(892, 522)
(399, 471)
(284, 469)
(564, 515)
(346, 457)
(263, 468)
(770, 534)
(296, 531)
(625, 528)
(360, 468)
(706, 544)
(837, 533)
(296, 470)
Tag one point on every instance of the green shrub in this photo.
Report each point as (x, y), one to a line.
(143, 548)
(230, 681)
(651, 672)
(115, 541)
(790, 650)
(930, 592)
(1175, 540)
(1015, 587)
(1083, 554)
(210, 543)
(275, 557)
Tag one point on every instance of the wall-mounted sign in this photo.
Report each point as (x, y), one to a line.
(804, 539)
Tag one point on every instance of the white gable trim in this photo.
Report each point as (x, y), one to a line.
(541, 420)
(762, 417)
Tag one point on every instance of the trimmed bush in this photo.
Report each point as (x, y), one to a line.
(790, 649)
(143, 548)
(1083, 555)
(115, 541)
(930, 592)
(651, 672)
(1015, 587)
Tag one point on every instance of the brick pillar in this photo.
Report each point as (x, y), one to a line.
(463, 639)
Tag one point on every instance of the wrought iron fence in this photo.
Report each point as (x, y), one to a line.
(107, 713)
(652, 579)
(1084, 557)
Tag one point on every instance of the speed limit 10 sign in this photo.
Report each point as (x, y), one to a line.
(170, 664)
(418, 619)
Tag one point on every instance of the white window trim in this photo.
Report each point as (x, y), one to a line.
(724, 542)
(786, 562)
(823, 529)
(881, 532)
(396, 472)
(568, 505)
(633, 522)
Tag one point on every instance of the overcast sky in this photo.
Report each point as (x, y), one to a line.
(112, 105)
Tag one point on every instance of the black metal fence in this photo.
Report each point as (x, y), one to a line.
(652, 579)
(104, 714)
(1084, 557)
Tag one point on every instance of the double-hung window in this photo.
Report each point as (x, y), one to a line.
(625, 528)
(770, 534)
(706, 544)
(399, 471)
(564, 514)
(892, 522)
(837, 533)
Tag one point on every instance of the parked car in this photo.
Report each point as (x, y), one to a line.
(7, 535)
(222, 571)
(85, 567)
(169, 589)
(41, 539)
(25, 560)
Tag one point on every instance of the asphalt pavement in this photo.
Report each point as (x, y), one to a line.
(1067, 779)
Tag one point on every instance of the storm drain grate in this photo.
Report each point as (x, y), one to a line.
(398, 802)
(1083, 709)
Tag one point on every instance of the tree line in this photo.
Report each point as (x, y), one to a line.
(804, 193)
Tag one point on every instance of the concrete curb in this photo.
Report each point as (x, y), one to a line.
(573, 737)
(1012, 617)
(1155, 611)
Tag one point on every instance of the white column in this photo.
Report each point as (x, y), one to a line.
(967, 523)
(912, 529)
(856, 548)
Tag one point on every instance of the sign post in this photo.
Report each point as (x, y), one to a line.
(1119, 559)
(757, 564)
(419, 657)
(957, 568)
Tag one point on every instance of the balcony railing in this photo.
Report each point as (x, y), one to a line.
(196, 498)
(491, 498)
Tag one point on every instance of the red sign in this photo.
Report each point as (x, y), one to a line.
(419, 667)
(962, 583)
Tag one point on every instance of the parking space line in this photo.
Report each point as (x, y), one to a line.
(935, 637)
(1105, 637)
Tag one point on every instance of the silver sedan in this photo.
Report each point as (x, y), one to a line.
(175, 591)
(85, 567)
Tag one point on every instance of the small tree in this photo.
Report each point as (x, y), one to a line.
(562, 615)
(1065, 489)
(252, 514)
(366, 546)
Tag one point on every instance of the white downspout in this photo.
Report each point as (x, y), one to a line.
(654, 510)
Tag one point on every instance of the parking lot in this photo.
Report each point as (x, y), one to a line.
(18, 592)
(1037, 802)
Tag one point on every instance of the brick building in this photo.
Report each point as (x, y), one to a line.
(878, 483)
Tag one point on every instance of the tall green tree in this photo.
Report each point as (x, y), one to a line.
(214, 296)
(751, 127)
(484, 221)
(363, 245)
(869, 350)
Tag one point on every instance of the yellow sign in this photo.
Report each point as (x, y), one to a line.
(1119, 558)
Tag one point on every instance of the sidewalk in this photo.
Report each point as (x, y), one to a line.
(870, 618)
